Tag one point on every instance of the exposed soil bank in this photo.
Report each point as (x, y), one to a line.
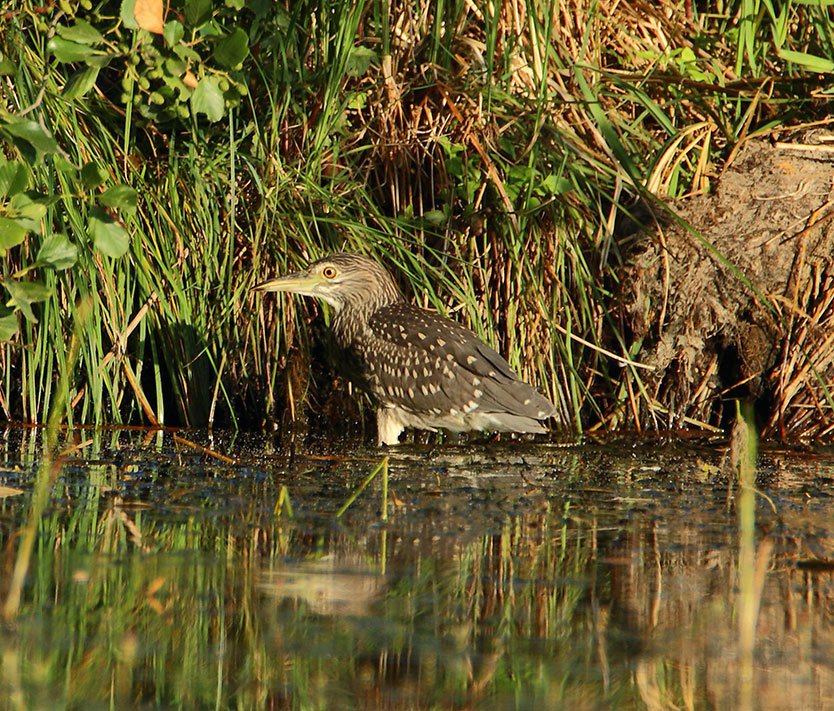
(743, 307)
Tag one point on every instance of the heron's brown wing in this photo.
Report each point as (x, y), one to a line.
(428, 362)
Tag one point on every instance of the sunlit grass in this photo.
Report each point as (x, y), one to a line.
(490, 156)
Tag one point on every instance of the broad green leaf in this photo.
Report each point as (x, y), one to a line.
(93, 175)
(232, 50)
(66, 51)
(357, 101)
(33, 134)
(197, 11)
(555, 185)
(121, 197)
(11, 234)
(173, 33)
(27, 209)
(109, 237)
(127, 16)
(435, 217)
(62, 165)
(208, 99)
(25, 293)
(81, 32)
(57, 252)
(359, 60)
(8, 324)
(80, 83)
(14, 178)
(7, 66)
(186, 54)
(176, 67)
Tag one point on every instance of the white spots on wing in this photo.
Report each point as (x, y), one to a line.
(454, 412)
(476, 382)
(424, 390)
(433, 388)
(449, 357)
(470, 406)
(421, 335)
(471, 360)
(479, 393)
(440, 341)
(411, 393)
(527, 401)
(431, 346)
(491, 374)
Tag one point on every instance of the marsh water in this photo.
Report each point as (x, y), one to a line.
(178, 570)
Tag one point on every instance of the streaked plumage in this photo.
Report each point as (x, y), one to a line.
(423, 369)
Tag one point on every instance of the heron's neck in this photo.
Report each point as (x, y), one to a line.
(351, 318)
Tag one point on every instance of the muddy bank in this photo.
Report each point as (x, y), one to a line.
(741, 305)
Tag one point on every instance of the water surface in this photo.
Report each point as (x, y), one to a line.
(508, 575)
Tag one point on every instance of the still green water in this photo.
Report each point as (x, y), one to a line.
(508, 575)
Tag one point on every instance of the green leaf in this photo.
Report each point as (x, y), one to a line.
(11, 234)
(109, 237)
(37, 140)
(80, 83)
(93, 175)
(66, 51)
(175, 67)
(359, 61)
(121, 197)
(197, 11)
(8, 324)
(555, 185)
(25, 293)
(819, 65)
(455, 167)
(186, 54)
(232, 50)
(435, 218)
(173, 33)
(14, 178)
(7, 67)
(127, 16)
(208, 99)
(27, 209)
(63, 166)
(81, 32)
(57, 252)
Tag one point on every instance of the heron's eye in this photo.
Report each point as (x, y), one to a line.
(329, 272)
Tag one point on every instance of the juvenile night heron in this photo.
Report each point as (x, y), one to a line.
(423, 369)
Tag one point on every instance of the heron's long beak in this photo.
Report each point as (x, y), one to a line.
(296, 283)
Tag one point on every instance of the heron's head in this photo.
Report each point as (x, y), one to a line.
(342, 280)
